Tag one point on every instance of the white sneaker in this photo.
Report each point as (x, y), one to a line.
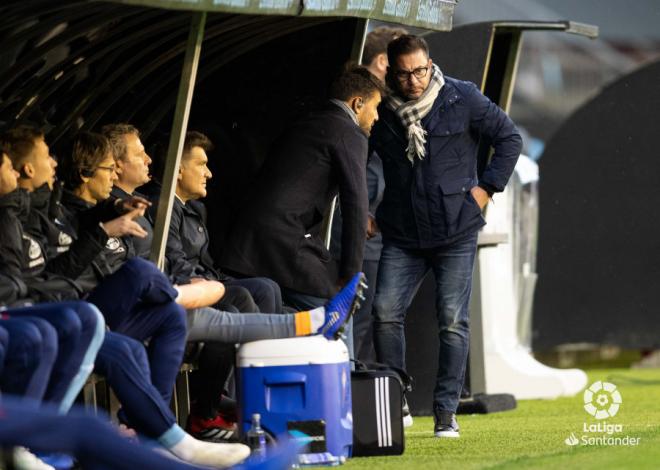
(26, 460)
(407, 417)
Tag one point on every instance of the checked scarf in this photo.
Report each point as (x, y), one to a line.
(412, 112)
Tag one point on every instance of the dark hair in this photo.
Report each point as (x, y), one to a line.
(377, 41)
(405, 44)
(115, 134)
(196, 139)
(19, 142)
(355, 80)
(89, 149)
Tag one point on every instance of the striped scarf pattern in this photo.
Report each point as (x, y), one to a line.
(412, 112)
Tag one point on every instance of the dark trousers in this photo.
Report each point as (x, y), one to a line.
(363, 332)
(80, 330)
(29, 357)
(265, 292)
(216, 360)
(4, 345)
(400, 274)
(249, 295)
(123, 362)
(96, 444)
(138, 301)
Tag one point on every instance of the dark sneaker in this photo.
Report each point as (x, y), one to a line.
(407, 417)
(340, 308)
(216, 429)
(446, 424)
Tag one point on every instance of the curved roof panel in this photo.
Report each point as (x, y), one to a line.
(431, 14)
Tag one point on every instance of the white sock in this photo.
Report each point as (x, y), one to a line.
(317, 317)
(208, 453)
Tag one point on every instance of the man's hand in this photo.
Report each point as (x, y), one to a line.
(372, 227)
(125, 225)
(132, 203)
(480, 195)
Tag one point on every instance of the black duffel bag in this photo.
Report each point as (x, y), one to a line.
(377, 392)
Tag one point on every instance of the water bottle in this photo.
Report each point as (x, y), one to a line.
(256, 437)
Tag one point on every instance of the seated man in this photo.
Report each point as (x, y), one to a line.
(147, 308)
(78, 335)
(187, 253)
(206, 324)
(33, 350)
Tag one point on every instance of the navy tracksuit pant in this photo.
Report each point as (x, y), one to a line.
(79, 329)
(139, 301)
(95, 443)
(30, 351)
(123, 362)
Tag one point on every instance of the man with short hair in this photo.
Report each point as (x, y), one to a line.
(187, 253)
(432, 207)
(220, 330)
(374, 55)
(279, 233)
(374, 58)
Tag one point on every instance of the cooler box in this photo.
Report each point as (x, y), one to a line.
(301, 384)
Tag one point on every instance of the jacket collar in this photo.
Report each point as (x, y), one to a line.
(448, 95)
(75, 203)
(40, 199)
(18, 201)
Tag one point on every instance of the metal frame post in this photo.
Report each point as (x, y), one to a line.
(179, 126)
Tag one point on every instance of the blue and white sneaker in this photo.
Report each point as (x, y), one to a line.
(340, 308)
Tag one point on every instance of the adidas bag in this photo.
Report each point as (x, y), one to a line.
(377, 416)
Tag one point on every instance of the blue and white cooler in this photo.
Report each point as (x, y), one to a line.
(299, 385)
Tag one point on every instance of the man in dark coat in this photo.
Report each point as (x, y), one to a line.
(432, 207)
(280, 232)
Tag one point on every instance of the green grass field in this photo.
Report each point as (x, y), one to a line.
(532, 436)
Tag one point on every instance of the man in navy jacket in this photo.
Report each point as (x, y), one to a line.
(427, 138)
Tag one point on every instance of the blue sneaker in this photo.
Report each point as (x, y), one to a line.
(340, 308)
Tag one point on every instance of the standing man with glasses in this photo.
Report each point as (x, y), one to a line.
(431, 213)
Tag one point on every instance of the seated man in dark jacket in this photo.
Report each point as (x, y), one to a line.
(122, 360)
(188, 256)
(88, 173)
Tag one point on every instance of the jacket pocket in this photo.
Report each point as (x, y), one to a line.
(455, 193)
(445, 142)
(314, 246)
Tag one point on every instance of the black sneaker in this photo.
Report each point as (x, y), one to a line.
(446, 424)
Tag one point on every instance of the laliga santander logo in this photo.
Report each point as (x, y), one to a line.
(602, 400)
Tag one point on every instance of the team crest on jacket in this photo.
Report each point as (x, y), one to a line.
(34, 252)
(114, 245)
(64, 239)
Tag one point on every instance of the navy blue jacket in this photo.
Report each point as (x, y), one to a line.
(428, 204)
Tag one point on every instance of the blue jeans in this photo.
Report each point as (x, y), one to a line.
(400, 274)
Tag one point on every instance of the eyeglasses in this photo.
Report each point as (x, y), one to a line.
(108, 168)
(418, 73)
